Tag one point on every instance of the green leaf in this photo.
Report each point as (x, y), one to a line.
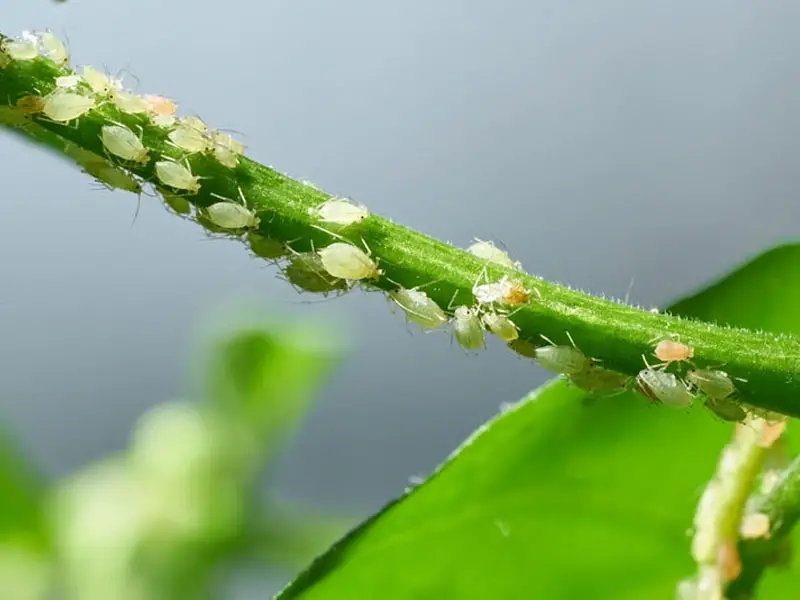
(20, 494)
(263, 372)
(558, 499)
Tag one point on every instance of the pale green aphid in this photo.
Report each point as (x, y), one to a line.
(468, 328)
(128, 102)
(230, 215)
(14, 117)
(63, 106)
(663, 387)
(500, 325)
(306, 272)
(122, 142)
(177, 176)
(714, 384)
(25, 49)
(567, 360)
(266, 247)
(226, 149)
(100, 83)
(342, 212)
(177, 203)
(54, 49)
(346, 261)
(419, 308)
(599, 380)
(523, 347)
(68, 81)
(31, 105)
(726, 409)
(187, 136)
(487, 251)
(112, 176)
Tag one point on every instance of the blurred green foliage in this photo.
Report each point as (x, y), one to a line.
(561, 498)
(161, 520)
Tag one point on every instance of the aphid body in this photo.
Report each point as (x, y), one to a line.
(346, 261)
(468, 328)
(566, 360)
(663, 387)
(669, 351)
(128, 102)
(100, 83)
(54, 49)
(122, 142)
(112, 176)
(190, 136)
(68, 81)
(226, 149)
(726, 409)
(714, 384)
(31, 105)
(267, 247)
(230, 215)
(504, 291)
(179, 204)
(491, 253)
(419, 308)
(25, 49)
(175, 175)
(599, 380)
(63, 106)
(342, 212)
(500, 325)
(306, 272)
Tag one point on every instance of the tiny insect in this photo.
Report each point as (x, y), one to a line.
(305, 271)
(419, 308)
(231, 215)
(179, 204)
(31, 105)
(730, 564)
(26, 48)
(188, 136)
(468, 328)
(346, 261)
(505, 291)
(111, 176)
(523, 347)
(341, 212)
(714, 384)
(68, 81)
(100, 83)
(599, 380)
(122, 142)
(726, 409)
(226, 149)
(266, 247)
(54, 49)
(566, 360)
(500, 325)
(670, 351)
(175, 175)
(14, 117)
(63, 106)
(128, 102)
(161, 110)
(663, 387)
(487, 251)
(755, 525)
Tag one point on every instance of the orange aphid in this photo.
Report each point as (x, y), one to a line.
(159, 105)
(730, 564)
(516, 294)
(669, 351)
(770, 432)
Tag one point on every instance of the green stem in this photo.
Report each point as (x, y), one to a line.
(614, 333)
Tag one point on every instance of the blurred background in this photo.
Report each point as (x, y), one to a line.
(613, 146)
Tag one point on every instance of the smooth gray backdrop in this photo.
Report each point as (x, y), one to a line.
(601, 141)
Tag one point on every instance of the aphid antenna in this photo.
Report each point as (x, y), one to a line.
(552, 343)
(571, 341)
(126, 70)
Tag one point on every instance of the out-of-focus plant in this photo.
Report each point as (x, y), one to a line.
(160, 520)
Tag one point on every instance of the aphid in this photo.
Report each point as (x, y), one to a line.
(160, 105)
(306, 272)
(500, 325)
(188, 136)
(266, 247)
(63, 106)
(755, 525)
(491, 253)
(726, 409)
(177, 203)
(100, 83)
(468, 328)
(230, 215)
(342, 212)
(346, 261)
(54, 49)
(68, 81)
(112, 176)
(730, 564)
(419, 308)
(663, 387)
(714, 384)
(226, 149)
(771, 431)
(31, 105)
(669, 351)
(566, 360)
(599, 380)
(504, 291)
(25, 49)
(522, 347)
(14, 117)
(128, 102)
(175, 175)
(122, 142)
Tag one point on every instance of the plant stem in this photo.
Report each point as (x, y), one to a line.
(616, 334)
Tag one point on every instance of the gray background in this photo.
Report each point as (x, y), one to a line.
(601, 141)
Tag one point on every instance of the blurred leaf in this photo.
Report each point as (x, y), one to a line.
(264, 373)
(20, 494)
(558, 500)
